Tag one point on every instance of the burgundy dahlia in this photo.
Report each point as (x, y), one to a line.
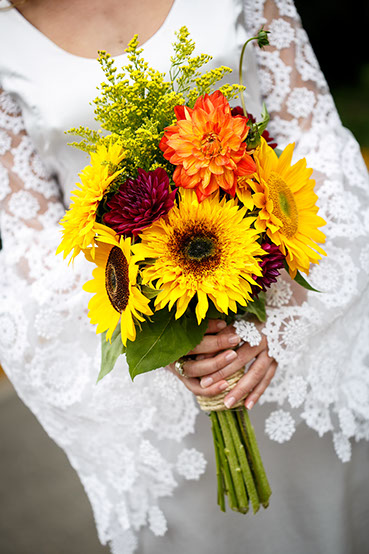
(270, 265)
(237, 110)
(270, 140)
(139, 202)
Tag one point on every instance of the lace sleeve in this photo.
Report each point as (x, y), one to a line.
(110, 431)
(319, 340)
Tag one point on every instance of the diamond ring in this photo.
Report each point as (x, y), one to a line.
(178, 366)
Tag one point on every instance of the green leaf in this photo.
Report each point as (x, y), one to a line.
(262, 124)
(149, 292)
(300, 279)
(163, 340)
(257, 307)
(110, 352)
(257, 129)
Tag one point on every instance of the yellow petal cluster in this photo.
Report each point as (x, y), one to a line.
(78, 222)
(203, 251)
(114, 285)
(284, 194)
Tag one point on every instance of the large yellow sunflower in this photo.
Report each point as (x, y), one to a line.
(285, 195)
(206, 249)
(79, 220)
(114, 283)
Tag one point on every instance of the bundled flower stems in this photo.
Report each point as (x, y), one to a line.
(188, 212)
(240, 471)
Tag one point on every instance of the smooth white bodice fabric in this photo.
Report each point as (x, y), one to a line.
(55, 88)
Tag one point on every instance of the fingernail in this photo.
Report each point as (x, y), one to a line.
(249, 404)
(228, 402)
(223, 386)
(234, 339)
(221, 324)
(231, 355)
(206, 382)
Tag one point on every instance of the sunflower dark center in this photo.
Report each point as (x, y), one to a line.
(284, 204)
(117, 279)
(199, 248)
(196, 249)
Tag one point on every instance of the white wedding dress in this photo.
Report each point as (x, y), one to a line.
(142, 450)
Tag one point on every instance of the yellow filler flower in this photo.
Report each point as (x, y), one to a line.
(79, 220)
(285, 195)
(206, 249)
(114, 283)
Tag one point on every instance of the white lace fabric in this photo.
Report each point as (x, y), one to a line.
(51, 354)
(320, 343)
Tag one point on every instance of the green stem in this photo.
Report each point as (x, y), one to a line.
(261, 479)
(234, 465)
(224, 462)
(221, 500)
(240, 74)
(245, 468)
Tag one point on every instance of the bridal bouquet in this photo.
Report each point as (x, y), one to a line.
(188, 212)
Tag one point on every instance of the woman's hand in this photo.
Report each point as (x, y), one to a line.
(216, 361)
(259, 375)
(213, 354)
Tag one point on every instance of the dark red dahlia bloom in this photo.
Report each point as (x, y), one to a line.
(270, 265)
(237, 110)
(139, 202)
(270, 140)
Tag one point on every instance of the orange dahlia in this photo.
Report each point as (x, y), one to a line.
(207, 146)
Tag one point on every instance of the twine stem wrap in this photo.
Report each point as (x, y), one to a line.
(216, 403)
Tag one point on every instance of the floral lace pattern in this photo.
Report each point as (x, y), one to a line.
(53, 367)
(318, 341)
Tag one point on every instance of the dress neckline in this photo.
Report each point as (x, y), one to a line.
(76, 57)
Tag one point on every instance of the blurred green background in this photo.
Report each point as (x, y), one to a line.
(339, 33)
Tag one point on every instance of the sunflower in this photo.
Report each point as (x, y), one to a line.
(207, 146)
(114, 283)
(206, 249)
(79, 220)
(244, 192)
(285, 196)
